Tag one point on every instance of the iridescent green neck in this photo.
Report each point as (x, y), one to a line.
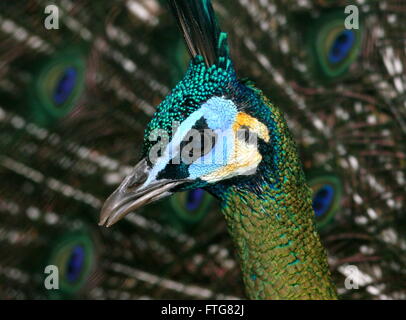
(271, 220)
(279, 249)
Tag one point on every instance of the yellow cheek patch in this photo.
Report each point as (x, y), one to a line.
(243, 161)
(252, 124)
(245, 157)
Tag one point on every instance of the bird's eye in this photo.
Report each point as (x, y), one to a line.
(208, 140)
(197, 143)
(248, 136)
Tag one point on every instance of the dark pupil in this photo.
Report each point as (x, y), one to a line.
(207, 142)
(202, 144)
(246, 136)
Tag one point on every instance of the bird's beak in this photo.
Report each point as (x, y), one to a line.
(134, 192)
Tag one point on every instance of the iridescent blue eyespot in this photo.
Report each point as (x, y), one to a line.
(322, 200)
(56, 86)
(65, 85)
(332, 48)
(189, 208)
(342, 46)
(327, 194)
(75, 263)
(194, 199)
(75, 257)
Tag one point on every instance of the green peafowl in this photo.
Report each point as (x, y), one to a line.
(74, 103)
(252, 167)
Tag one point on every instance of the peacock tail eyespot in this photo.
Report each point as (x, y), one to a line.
(194, 199)
(191, 206)
(75, 263)
(333, 103)
(332, 48)
(341, 46)
(327, 195)
(56, 86)
(65, 85)
(74, 256)
(323, 199)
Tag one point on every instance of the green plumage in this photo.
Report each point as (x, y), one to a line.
(55, 178)
(199, 83)
(269, 214)
(274, 232)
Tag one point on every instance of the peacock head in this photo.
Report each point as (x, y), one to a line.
(209, 132)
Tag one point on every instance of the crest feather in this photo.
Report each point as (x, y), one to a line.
(198, 24)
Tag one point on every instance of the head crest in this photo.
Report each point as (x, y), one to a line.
(200, 29)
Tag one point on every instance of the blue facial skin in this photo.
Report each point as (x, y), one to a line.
(198, 86)
(204, 93)
(220, 115)
(215, 96)
(217, 115)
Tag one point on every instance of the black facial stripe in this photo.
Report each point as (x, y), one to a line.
(202, 143)
(201, 124)
(174, 171)
(200, 140)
